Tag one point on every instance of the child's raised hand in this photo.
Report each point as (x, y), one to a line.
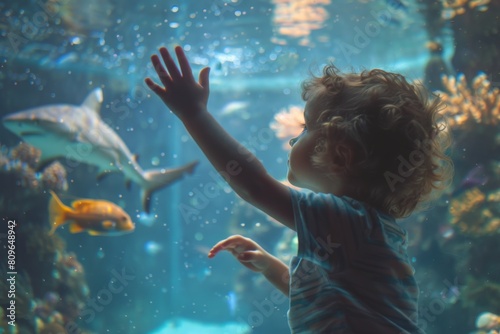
(245, 250)
(180, 92)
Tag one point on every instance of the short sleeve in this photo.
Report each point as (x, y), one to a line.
(352, 271)
(329, 228)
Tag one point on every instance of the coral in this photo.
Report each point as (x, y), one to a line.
(26, 177)
(434, 47)
(298, 18)
(452, 8)
(52, 328)
(487, 320)
(71, 285)
(26, 153)
(476, 213)
(469, 107)
(288, 123)
(24, 297)
(4, 160)
(18, 166)
(40, 253)
(54, 177)
(69, 264)
(22, 185)
(466, 203)
(56, 278)
(48, 270)
(48, 318)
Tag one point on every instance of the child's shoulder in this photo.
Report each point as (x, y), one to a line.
(329, 201)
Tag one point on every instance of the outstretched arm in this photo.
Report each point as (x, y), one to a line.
(254, 257)
(241, 169)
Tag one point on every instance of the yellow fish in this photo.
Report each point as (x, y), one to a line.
(96, 217)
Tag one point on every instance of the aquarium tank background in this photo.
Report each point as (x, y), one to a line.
(157, 278)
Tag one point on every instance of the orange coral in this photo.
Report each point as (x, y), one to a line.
(452, 8)
(288, 123)
(476, 213)
(52, 328)
(298, 18)
(469, 201)
(487, 320)
(479, 105)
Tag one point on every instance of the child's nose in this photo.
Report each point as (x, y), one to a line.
(293, 141)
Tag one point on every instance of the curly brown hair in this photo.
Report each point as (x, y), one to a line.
(394, 131)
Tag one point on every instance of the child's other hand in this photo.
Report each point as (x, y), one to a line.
(180, 92)
(245, 250)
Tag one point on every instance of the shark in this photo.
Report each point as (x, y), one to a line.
(78, 134)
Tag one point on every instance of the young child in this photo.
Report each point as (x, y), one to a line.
(371, 151)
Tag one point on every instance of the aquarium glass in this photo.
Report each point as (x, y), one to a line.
(94, 140)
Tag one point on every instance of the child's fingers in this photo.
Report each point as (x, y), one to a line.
(184, 63)
(160, 70)
(220, 246)
(203, 78)
(226, 244)
(153, 86)
(169, 62)
(217, 248)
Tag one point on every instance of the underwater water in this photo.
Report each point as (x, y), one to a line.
(69, 58)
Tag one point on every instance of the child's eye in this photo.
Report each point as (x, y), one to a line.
(303, 125)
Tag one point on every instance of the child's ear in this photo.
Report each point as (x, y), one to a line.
(342, 158)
